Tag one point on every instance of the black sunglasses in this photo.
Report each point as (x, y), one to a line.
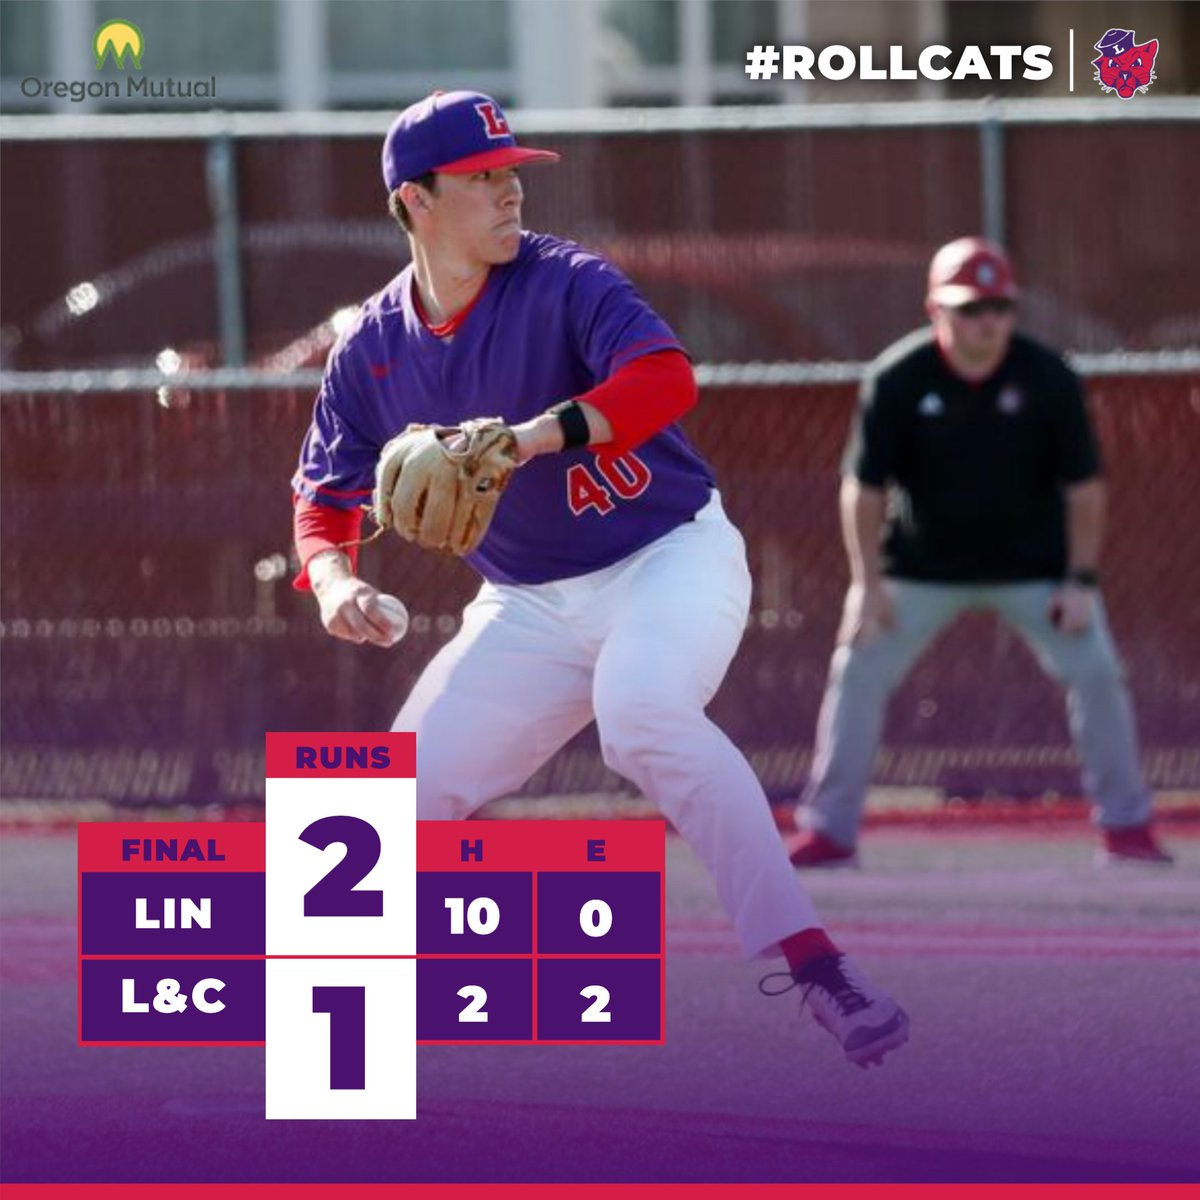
(976, 308)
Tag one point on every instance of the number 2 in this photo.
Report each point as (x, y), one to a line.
(335, 894)
(477, 998)
(598, 1009)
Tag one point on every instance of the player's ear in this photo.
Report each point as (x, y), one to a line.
(414, 196)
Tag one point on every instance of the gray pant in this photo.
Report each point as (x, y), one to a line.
(861, 678)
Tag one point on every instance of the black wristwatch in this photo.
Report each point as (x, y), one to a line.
(1085, 577)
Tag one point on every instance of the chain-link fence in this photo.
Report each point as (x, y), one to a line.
(149, 630)
(785, 235)
(150, 633)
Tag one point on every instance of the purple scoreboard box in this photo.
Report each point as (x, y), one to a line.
(559, 924)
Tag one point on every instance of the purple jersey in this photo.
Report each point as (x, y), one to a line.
(550, 325)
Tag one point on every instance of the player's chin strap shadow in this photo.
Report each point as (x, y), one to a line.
(381, 529)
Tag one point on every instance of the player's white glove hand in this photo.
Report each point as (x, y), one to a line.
(1071, 608)
(867, 613)
(355, 611)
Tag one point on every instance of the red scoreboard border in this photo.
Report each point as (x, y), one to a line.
(633, 846)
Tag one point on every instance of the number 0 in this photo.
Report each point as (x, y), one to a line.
(595, 918)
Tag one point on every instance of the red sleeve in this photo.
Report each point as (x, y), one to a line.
(318, 527)
(643, 398)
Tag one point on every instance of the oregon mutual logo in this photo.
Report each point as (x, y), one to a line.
(118, 38)
(1125, 66)
(119, 42)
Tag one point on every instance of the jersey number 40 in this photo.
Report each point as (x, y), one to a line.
(626, 477)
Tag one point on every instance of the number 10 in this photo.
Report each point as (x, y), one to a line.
(483, 914)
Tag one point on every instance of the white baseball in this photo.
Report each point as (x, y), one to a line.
(396, 614)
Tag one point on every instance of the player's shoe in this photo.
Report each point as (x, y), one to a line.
(817, 850)
(1135, 846)
(864, 1019)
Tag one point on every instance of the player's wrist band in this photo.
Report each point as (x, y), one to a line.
(1087, 577)
(574, 424)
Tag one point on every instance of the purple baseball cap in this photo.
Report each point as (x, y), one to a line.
(1115, 41)
(453, 132)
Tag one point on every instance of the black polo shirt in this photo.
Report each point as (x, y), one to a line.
(978, 469)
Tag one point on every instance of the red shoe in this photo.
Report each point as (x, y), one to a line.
(816, 850)
(1135, 845)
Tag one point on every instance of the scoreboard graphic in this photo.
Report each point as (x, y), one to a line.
(342, 933)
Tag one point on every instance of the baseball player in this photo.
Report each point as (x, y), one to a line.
(614, 587)
(998, 504)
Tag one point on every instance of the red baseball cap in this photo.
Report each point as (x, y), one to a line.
(453, 132)
(971, 268)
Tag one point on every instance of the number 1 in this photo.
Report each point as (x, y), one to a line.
(347, 1009)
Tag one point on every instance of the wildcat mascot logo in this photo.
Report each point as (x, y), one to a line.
(1124, 67)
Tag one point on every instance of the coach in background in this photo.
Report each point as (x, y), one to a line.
(998, 504)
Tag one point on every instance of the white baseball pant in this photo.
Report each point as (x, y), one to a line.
(641, 647)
